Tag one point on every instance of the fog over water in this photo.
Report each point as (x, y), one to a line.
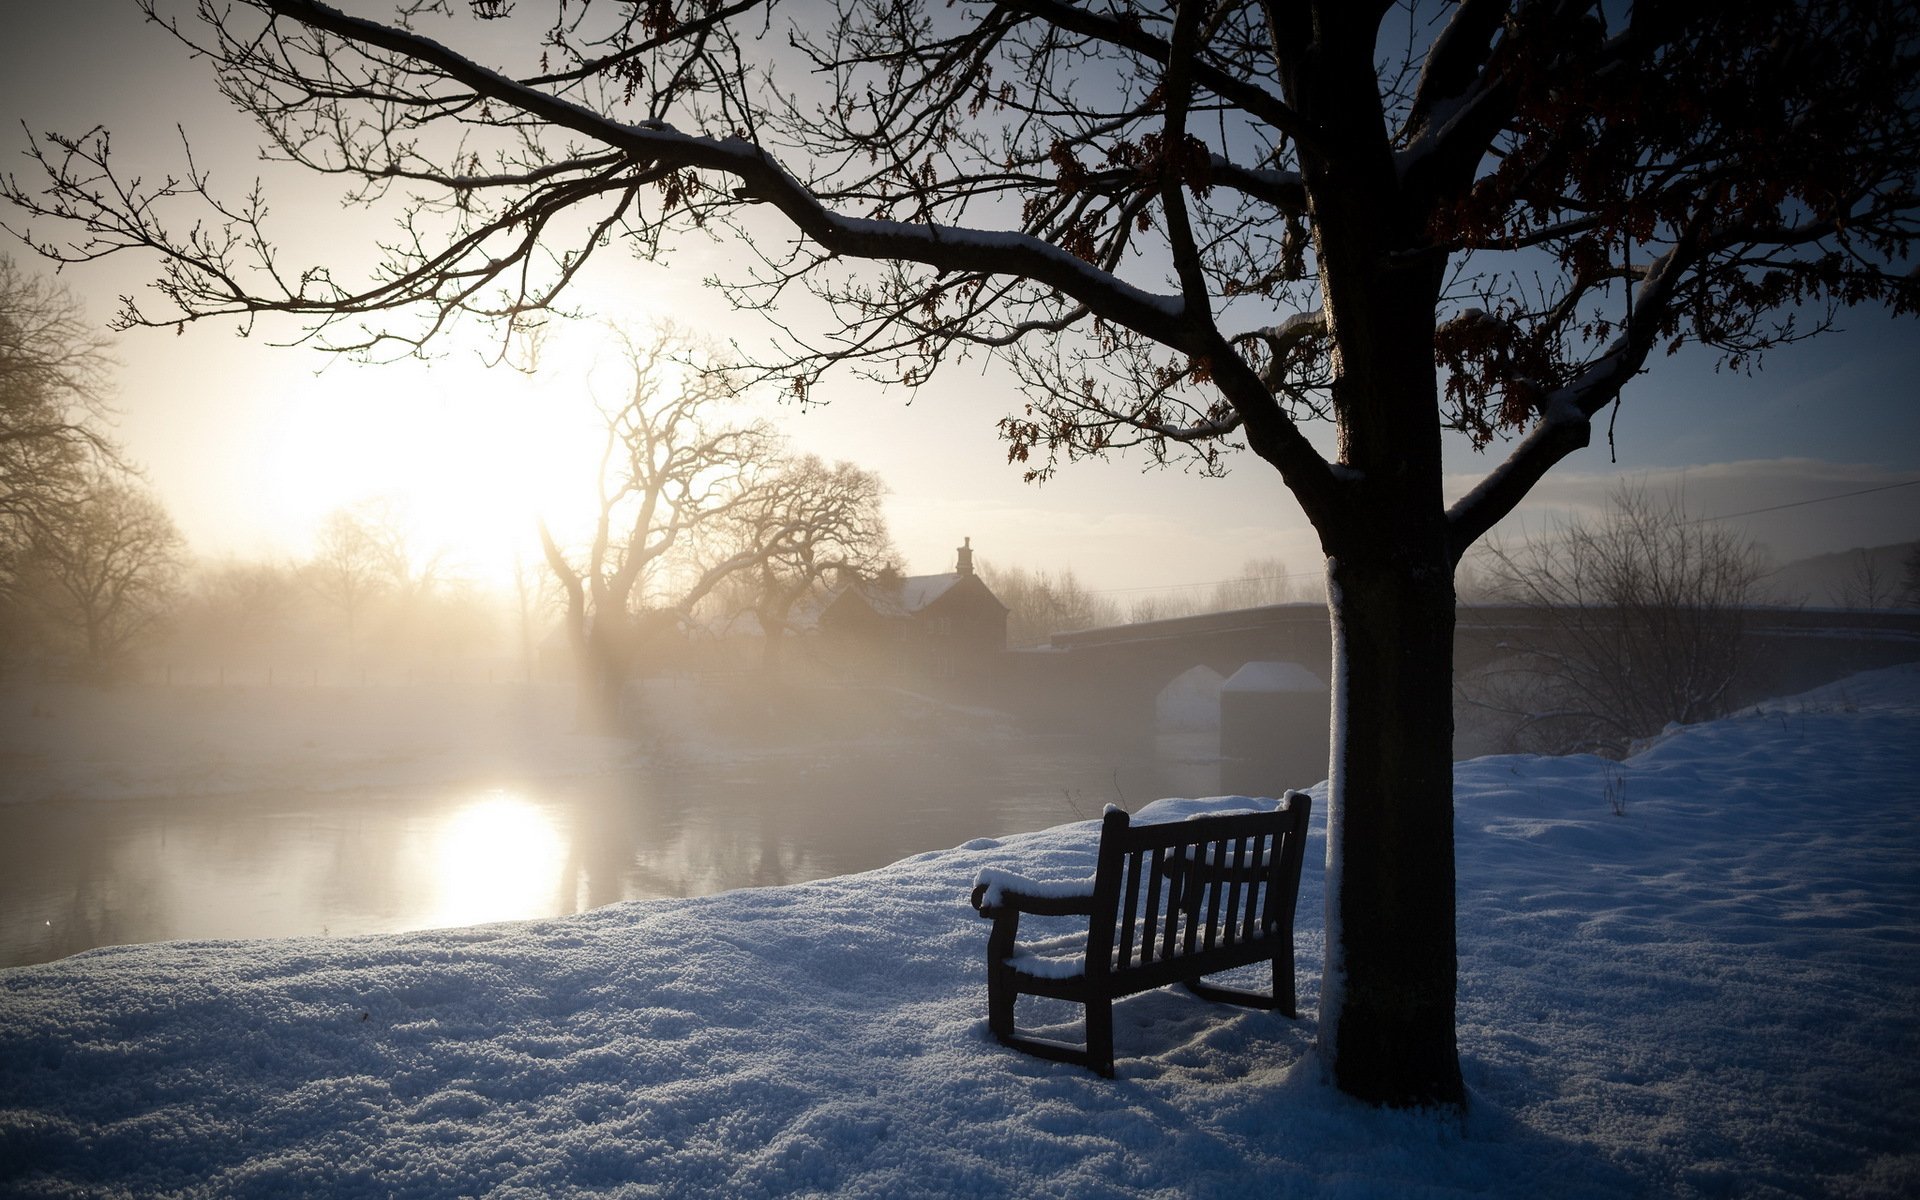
(229, 804)
(122, 845)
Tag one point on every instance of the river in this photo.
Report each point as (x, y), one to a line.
(78, 874)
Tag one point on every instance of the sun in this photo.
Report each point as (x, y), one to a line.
(465, 457)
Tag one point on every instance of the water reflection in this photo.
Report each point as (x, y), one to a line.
(498, 858)
(92, 873)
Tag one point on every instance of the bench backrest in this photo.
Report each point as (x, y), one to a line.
(1176, 900)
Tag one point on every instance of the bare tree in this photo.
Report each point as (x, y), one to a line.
(670, 472)
(809, 524)
(425, 608)
(52, 409)
(1188, 227)
(1043, 603)
(529, 599)
(1634, 621)
(1867, 583)
(1261, 581)
(102, 577)
(351, 569)
(1165, 606)
(1910, 576)
(245, 613)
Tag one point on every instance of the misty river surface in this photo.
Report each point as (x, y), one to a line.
(84, 873)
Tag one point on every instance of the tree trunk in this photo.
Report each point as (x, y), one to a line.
(1387, 1006)
(773, 637)
(600, 665)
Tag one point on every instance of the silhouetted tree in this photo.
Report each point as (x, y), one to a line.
(1187, 227)
(1043, 603)
(808, 524)
(52, 412)
(1165, 606)
(238, 613)
(670, 472)
(1633, 621)
(1261, 581)
(101, 577)
(351, 569)
(1867, 583)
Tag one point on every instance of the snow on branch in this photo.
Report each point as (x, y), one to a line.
(1564, 421)
(763, 179)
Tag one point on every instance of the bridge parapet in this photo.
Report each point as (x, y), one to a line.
(1108, 678)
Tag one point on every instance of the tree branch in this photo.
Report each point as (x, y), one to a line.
(1253, 99)
(1565, 422)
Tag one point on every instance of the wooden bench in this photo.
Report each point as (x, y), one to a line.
(1168, 903)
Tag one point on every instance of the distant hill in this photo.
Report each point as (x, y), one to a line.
(1827, 580)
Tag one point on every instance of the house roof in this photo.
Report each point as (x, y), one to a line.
(908, 595)
(899, 598)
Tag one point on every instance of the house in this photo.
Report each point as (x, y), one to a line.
(938, 626)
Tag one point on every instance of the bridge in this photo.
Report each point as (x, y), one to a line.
(1111, 678)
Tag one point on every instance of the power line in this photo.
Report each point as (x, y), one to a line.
(1885, 487)
(1176, 587)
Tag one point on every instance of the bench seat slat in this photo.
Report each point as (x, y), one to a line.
(1130, 888)
(1150, 930)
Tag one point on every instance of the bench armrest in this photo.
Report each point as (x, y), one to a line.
(996, 891)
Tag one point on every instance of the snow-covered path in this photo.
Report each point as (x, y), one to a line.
(1714, 993)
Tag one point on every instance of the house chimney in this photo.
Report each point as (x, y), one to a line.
(965, 565)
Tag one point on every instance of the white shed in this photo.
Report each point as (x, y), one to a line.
(1273, 729)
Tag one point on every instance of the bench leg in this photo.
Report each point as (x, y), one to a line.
(1000, 997)
(1100, 1036)
(1283, 995)
(1000, 990)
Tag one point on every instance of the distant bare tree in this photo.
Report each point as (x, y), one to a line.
(1637, 619)
(1910, 576)
(1261, 581)
(351, 569)
(1867, 584)
(1043, 603)
(809, 523)
(237, 612)
(670, 471)
(529, 600)
(1165, 606)
(103, 576)
(52, 411)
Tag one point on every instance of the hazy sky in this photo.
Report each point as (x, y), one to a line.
(249, 446)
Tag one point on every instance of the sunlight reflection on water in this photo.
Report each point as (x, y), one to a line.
(499, 858)
(76, 874)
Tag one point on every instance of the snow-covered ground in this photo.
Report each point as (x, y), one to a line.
(1695, 973)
